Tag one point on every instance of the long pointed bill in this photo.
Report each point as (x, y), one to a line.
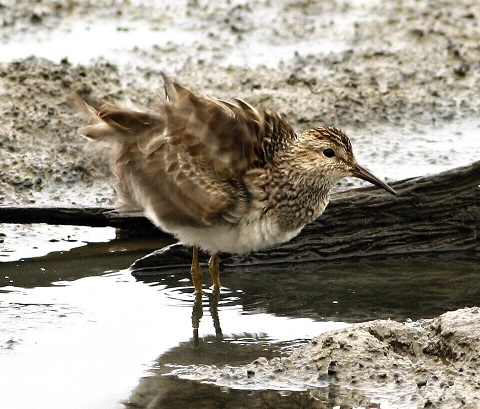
(364, 174)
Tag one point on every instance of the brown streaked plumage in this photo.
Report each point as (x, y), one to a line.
(221, 175)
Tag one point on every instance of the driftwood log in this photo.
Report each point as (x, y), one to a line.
(431, 214)
(127, 224)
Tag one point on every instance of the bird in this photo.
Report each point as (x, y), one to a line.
(219, 175)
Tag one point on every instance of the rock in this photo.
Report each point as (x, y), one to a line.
(434, 363)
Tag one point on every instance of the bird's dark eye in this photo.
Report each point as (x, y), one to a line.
(329, 153)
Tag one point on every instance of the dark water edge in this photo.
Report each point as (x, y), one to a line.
(173, 394)
(351, 291)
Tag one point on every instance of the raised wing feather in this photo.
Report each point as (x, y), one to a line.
(184, 162)
(226, 135)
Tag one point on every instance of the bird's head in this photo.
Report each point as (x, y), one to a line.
(331, 150)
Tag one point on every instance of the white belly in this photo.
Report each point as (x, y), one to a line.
(244, 237)
(241, 238)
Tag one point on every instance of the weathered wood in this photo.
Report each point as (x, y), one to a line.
(436, 213)
(74, 215)
(431, 215)
(127, 224)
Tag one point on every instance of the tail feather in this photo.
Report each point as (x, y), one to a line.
(114, 125)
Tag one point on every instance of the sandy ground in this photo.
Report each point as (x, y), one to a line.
(360, 65)
(407, 67)
(430, 364)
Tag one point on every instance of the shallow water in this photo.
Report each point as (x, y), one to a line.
(182, 34)
(419, 151)
(79, 331)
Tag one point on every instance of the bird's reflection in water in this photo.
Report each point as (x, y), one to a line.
(197, 314)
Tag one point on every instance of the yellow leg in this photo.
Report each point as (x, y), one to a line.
(196, 271)
(214, 270)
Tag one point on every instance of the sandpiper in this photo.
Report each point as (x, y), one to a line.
(221, 175)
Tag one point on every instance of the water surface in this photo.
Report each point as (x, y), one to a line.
(79, 331)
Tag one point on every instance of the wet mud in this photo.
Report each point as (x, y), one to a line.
(424, 364)
(360, 65)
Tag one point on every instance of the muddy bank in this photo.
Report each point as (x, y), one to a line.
(359, 65)
(430, 363)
